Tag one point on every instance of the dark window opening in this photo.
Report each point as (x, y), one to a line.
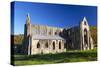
(55, 33)
(85, 23)
(85, 36)
(59, 45)
(46, 45)
(38, 45)
(53, 45)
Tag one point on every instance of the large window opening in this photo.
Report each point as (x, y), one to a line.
(59, 45)
(53, 45)
(38, 45)
(46, 45)
(85, 38)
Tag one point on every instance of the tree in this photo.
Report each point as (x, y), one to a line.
(93, 30)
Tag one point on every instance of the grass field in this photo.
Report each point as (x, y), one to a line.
(68, 56)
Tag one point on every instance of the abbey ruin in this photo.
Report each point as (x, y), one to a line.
(39, 39)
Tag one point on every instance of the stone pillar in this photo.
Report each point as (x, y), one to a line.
(91, 41)
(81, 40)
(88, 40)
(50, 46)
(62, 45)
(29, 46)
(57, 46)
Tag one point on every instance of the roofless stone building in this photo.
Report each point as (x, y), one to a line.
(40, 39)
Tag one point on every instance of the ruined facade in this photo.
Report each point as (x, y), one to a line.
(40, 39)
(78, 37)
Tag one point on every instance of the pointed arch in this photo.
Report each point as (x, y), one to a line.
(46, 45)
(53, 45)
(38, 45)
(60, 45)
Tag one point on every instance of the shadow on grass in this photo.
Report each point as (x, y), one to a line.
(59, 56)
(69, 56)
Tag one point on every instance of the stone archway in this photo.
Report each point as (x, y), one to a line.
(53, 45)
(85, 39)
(59, 45)
(38, 45)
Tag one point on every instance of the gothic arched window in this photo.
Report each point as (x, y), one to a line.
(38, 45)
(53, 45)
(85, 23)
(55, 33)
(46, 45)
(59, 45)
(85, 36)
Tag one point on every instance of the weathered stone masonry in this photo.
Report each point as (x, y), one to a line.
(39, 39)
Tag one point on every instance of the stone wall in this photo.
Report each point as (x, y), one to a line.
(74, 38)
(47, 46)
(86, 39)
(45, 30)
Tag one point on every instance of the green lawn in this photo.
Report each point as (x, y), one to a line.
(69, 56)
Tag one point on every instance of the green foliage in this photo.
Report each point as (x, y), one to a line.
(69, 56)
(93, 30)
(18, 39)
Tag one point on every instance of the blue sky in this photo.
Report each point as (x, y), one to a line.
(59, 15)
